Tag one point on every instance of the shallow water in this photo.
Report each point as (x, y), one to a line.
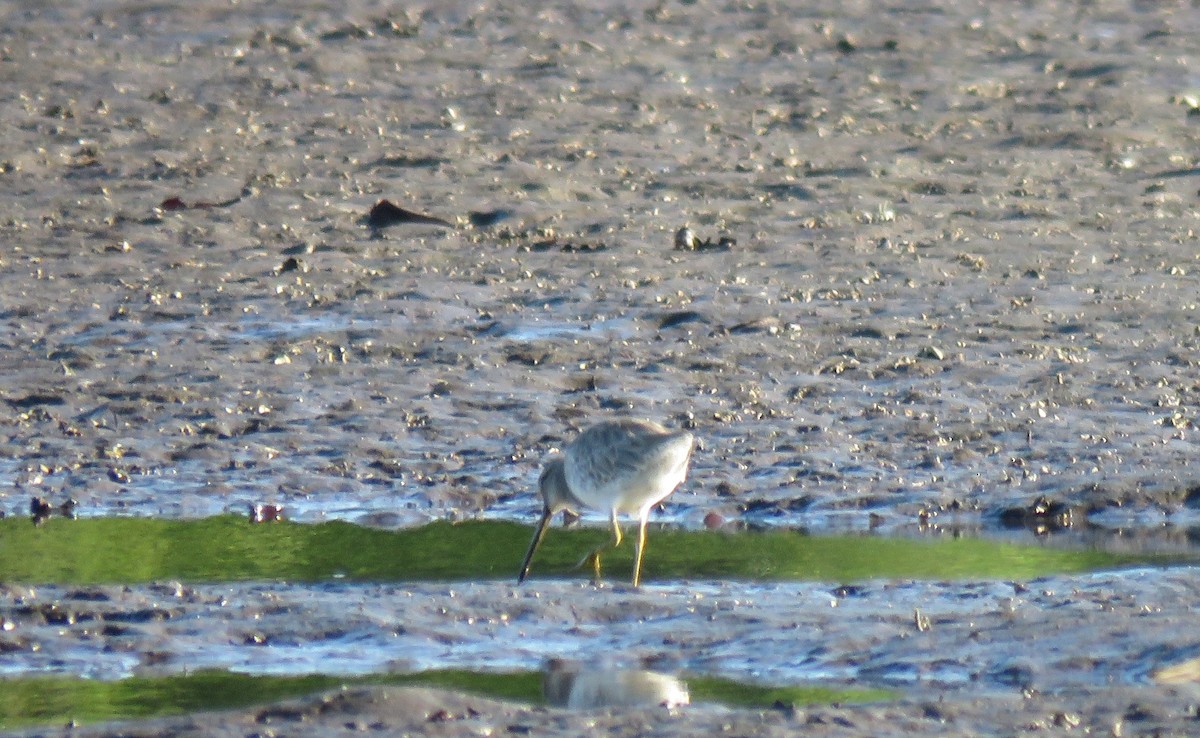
(133, 550)
(287, 600)
(916, 635)
(565, 684)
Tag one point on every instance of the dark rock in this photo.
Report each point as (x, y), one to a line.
(679, 317)
(386, 214)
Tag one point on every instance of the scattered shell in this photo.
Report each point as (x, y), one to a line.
(568, 247)
(266, 513)
(686, 240)
(1179, 673)
(1041, 517)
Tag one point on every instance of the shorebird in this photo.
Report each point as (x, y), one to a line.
(618, 467)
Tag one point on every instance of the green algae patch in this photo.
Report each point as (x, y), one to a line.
(25, 702)
(63, 700)
(741, 694)
(228, 548)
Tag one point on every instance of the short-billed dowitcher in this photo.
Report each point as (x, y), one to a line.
(620, 467)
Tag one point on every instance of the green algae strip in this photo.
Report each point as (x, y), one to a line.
(228, 548)
(61, 700)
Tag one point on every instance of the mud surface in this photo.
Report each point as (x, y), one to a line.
(1046, 635)
(964, 276)
(415, 711)
(997, 656)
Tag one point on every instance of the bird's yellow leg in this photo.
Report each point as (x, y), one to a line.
(641, 547)
(594, 556)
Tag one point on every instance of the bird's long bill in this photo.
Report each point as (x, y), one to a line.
(538, 535)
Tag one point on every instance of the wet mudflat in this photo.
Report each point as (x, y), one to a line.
(1101, 650)
(964, 275)
(962, 295)
(952, 636)
(402, 711)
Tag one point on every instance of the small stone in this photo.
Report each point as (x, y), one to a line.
(385, 214)
(39, 510)
(679, 317)
(685, 240)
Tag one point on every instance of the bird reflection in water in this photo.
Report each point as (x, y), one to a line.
(581, 686)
